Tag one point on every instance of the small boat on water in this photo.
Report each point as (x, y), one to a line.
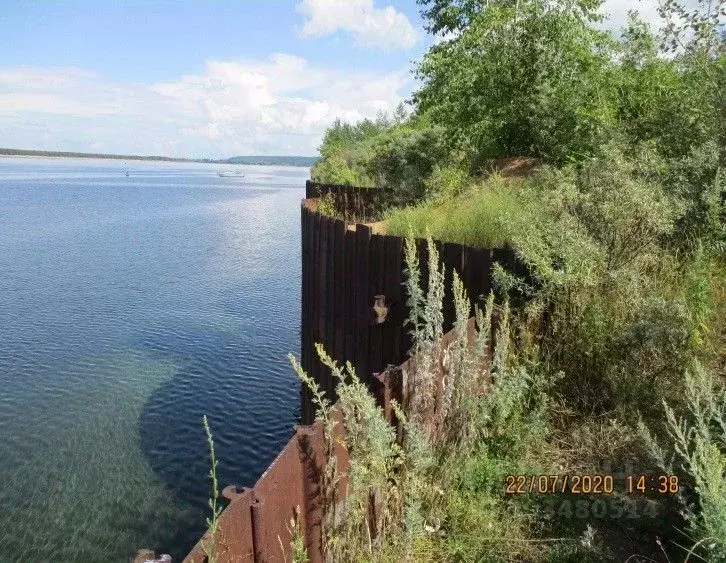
(231, 174)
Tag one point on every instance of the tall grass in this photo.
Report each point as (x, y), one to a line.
(298, 549)
(482, 217)
(370, 513)
(437, 495)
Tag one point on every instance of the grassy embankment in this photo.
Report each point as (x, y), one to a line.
(630, 324)
(617, 358)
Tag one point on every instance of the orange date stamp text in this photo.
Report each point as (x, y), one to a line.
(595, 484)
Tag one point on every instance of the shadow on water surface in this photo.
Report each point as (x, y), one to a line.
(240, 380)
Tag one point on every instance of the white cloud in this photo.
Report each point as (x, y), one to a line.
(616, 12)
(278, 105)
(380, 27)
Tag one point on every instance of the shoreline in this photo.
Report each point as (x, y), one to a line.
(262, 160)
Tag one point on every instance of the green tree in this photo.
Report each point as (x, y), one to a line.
(449, 16)
(344, 151)
(403, 158)
(521, 78)
(660, 100)
(698, 37)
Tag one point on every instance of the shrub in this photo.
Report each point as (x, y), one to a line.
(664, 101)
(698, 182)
(339, 168)
(616, 322)
(326, 205)
(626, 214)
(403, 158)
(344, 152)
(446, 182)
(698, 448)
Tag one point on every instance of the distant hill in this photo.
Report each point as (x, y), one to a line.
(24, 152)
(305, 161)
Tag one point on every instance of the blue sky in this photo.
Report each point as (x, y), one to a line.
(203, 78)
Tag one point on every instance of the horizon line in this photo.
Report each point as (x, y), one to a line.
(114, 156)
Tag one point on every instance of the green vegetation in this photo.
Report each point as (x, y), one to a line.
(209, 544)
(484, 216)
(696, 438)
(541, 79)
(439, 493)
(614, 360)
(298, 550)
(345, 147)
(302, 161)
(530, 77)
(66, 154)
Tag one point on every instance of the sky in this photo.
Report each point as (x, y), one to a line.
(206, 79)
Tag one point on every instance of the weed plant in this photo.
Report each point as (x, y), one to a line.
(326, 205)
(368, 516)
(698, 457)
(476, 411)
(298, 549)
(210, 541)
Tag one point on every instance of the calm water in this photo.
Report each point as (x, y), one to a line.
(130, 307)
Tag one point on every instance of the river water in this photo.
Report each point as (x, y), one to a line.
(129, 307)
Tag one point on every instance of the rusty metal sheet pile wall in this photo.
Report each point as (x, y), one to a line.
(234, 540)
(353, 297)
(355, 203)
(354, 303)
(257, 524)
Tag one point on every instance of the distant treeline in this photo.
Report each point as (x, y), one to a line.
(272, 160)
(262, 160)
